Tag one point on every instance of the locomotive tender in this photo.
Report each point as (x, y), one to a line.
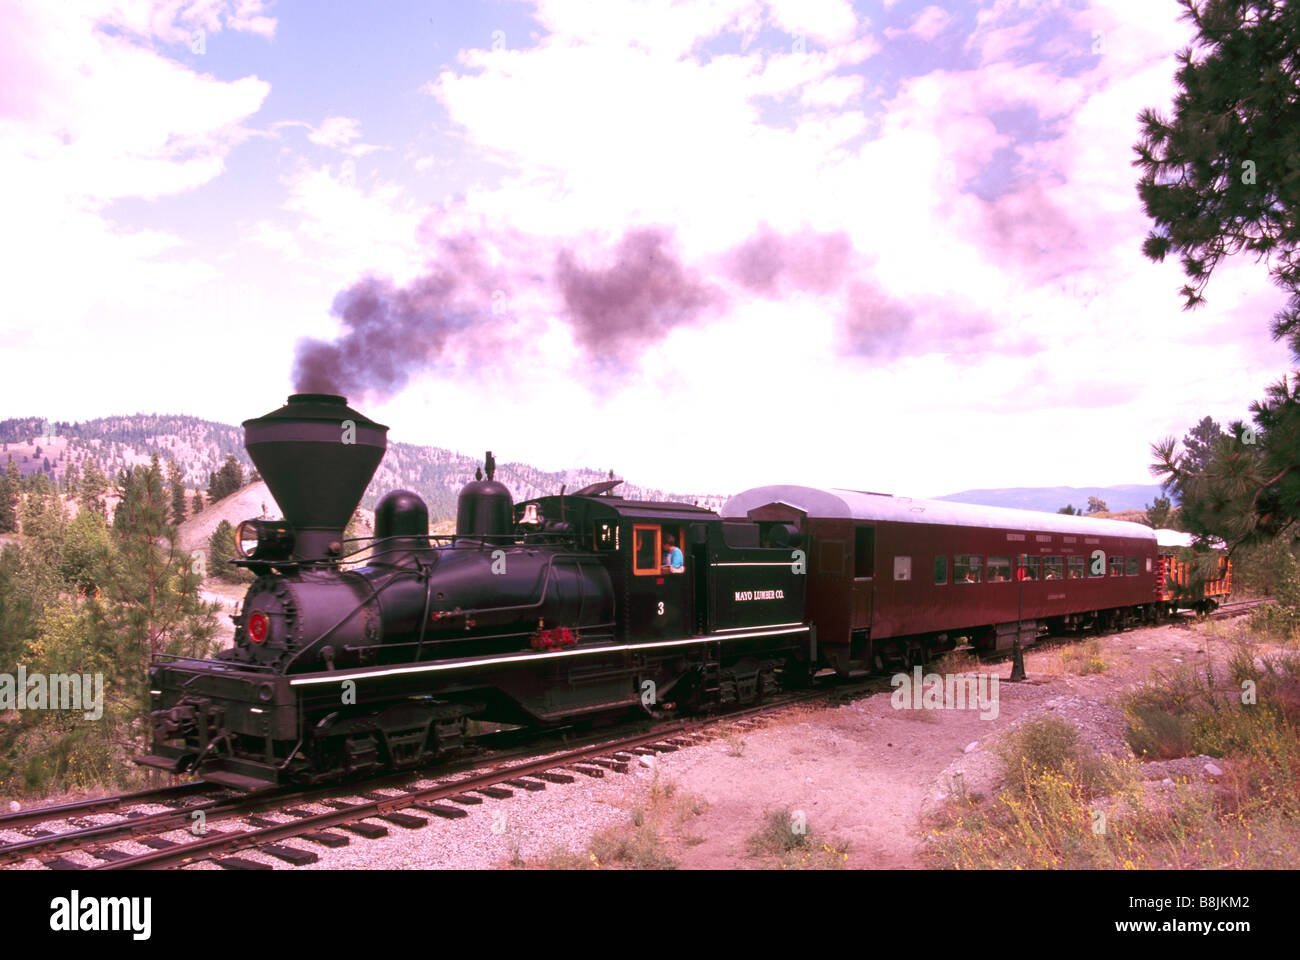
(576, 606)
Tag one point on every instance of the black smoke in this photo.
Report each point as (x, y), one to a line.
(617, 305)
(392, 332)
(636, 300)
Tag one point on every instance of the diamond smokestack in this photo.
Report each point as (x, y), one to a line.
(316, 454)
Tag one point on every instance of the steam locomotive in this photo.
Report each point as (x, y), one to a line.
(548, 612)
(573, 608)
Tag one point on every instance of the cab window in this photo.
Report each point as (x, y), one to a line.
(605, 536)
(646, 550)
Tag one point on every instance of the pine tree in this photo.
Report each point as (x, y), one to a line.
(9, 486)
(1068, 509)
(1246, 489)
(152, 603)
(221, 549)
(1221, 175)
(1096, 505)
(226, 480)
(176, 477)
(198, 502)
(1159, 514)
(93, 487)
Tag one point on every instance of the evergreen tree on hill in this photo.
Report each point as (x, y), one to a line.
(93, 487)
(9, 486)
(176, 478)
(221, 549)
(226, 480)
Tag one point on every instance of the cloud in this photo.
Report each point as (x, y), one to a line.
(929, 23)
(832, 22)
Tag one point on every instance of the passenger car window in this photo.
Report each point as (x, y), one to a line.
(902, 568)
(968, 568)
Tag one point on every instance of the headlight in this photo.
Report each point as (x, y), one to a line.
(263, 540)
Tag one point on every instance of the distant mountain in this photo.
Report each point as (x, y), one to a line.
(1127, 496)
(200, 446)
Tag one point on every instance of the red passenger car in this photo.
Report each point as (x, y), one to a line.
(892, 580)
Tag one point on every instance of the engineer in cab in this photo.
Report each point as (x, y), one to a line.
(673, 561)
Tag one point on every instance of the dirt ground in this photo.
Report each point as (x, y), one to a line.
(866, 773)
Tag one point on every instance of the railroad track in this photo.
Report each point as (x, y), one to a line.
(1234, 608)
(413, 805)
(194, 808)
(111, 804)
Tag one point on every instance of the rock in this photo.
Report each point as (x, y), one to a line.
(1213, 770)
(14, 806)
(1167, 782)
(973, 745)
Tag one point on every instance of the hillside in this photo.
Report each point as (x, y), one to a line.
(200, 446)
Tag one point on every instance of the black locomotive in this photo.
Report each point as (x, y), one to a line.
(547, 612)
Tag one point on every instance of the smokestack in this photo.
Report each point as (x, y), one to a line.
(316, 455)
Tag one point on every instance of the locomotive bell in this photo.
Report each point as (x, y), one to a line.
(316, 454)
(484, 508)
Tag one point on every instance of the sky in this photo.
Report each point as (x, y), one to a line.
(885, 245)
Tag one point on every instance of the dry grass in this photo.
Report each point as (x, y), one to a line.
(1083, 658)
(785, 841)
(1064, 806)
(958, 661)
(657, 823)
